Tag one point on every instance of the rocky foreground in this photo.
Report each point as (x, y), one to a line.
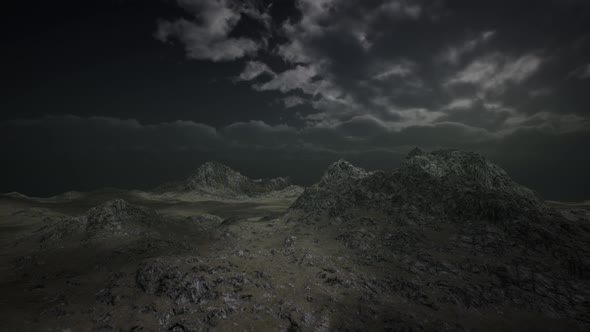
(470, 238)
(446, 242)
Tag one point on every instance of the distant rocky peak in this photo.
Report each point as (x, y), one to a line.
(455, 164)
(341, 170)
(415, 152)
(341, 164)
(214, 174)
(214, 167)
(216, 179)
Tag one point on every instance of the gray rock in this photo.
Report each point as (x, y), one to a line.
(162, 279)
(216, 179)
(503, 245)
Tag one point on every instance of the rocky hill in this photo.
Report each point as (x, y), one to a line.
(112, 219)
(453, 229)
(216, 179)
(445, 184)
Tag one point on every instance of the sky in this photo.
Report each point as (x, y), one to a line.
(130, 93)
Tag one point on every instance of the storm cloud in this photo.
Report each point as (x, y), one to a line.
(277, 88)
(107, 149)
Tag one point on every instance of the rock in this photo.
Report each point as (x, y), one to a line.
(216, 179)
(289, 241)
(415, 152)
(451, 184)
(112, 219)
(162, 279)
(205, 221)
(469, 235)
(117, 217)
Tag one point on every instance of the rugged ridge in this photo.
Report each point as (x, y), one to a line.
(454, 184)
(216, 179)
(465, 233)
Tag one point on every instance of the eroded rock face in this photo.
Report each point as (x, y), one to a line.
(342, 172)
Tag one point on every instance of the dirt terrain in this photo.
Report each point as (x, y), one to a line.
(126, 261)
(74, 282)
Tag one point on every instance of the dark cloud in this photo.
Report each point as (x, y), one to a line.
(383, 57)
(285, 87)
(259, 134)
(207, 36)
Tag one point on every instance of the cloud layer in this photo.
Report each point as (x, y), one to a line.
(285, 87)
(207, 36)
(412, 62)
(125, 152)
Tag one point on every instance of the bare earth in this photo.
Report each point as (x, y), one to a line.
(227, 266)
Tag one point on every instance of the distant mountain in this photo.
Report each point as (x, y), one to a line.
(216, 179)
(342, 171)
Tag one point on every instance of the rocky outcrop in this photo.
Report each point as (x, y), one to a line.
(162, 279)
(118, 218)
(445, 184)
(216, 179)
(476, 238)
(342, 172)
(112, 219)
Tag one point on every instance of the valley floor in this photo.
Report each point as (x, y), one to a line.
(246, 267)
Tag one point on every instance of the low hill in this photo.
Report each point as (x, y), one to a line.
(218, 180)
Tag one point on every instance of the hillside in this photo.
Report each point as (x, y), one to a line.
(218, 180)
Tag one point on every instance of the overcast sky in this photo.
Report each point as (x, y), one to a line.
(131, 93)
